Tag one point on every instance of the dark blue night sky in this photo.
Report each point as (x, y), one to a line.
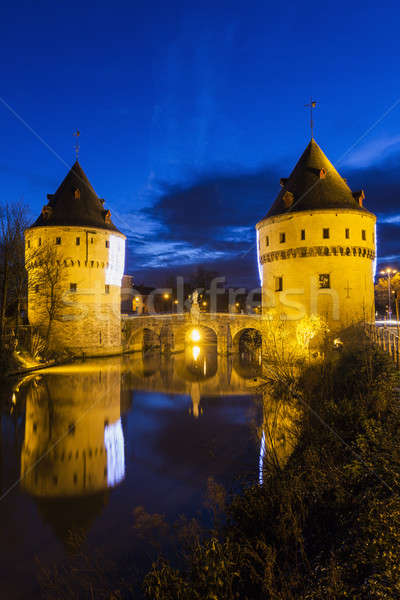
(190, 112)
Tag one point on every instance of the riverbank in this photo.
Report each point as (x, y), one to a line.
(326, 524)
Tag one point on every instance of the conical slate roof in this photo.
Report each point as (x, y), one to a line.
(314, 184)
(75, 203)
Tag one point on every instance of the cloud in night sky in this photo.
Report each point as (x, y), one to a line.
(210, 220)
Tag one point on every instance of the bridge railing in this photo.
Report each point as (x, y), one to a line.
(387, 339)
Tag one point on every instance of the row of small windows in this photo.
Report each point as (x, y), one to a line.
(77, 242)
(324, 282)
(73, 287)
(325, 235)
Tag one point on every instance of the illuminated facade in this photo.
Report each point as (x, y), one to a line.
(316, 247)
(90, 254)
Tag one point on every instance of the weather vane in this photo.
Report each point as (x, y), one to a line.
(312, 105)
(76, 135)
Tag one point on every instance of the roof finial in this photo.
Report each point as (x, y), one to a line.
(77, 134)
(313, 104)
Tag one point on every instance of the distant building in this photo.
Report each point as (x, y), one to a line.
(86, 255)
(127, 294)
(316, 247)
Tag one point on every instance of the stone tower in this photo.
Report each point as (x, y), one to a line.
(75, 257)
(316, 247)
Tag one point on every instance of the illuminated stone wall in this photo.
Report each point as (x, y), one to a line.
(91, 316)
(349, 262)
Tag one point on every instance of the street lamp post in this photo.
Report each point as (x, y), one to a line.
(389, 274)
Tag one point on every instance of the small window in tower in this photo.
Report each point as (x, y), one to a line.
(267, 241)
(278, 284)
(282, 238)
(325, 233)
(324, 281)
(40, 242)
(58, 241)
(92, 240)
(363, 234)
(71, 429)
(73, 287)
(107, 289)
(347, 232)
(303, 234)
(78, 241)
(36, 289)
(107, 243)
(77, 194)
(29, 243)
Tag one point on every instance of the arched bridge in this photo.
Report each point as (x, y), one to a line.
(171, 332)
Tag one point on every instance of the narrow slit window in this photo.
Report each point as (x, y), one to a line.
(40, 242)
(73, 287)
(363, 234)
(347, 233)
(58, 241)
(303, 234)
(107, 289)
(325, 233)
(107, 243)
(282, 238)
(267, 241)
(278, 284)
(78, 241)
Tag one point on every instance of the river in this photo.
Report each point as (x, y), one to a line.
(87, 446)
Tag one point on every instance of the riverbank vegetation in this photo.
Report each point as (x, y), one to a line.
(327, 523)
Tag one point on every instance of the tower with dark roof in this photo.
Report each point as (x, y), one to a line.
(85, 254)
(316, 247)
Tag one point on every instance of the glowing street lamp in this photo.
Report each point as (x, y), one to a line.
(195, 335)
(389, 274)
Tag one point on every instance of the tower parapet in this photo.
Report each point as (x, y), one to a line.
(75, 301)
(316, 247)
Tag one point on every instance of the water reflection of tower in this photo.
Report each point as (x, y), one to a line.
(278, 433)
(74, 447)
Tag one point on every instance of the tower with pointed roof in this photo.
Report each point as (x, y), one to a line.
(316, 247)
(75, 261)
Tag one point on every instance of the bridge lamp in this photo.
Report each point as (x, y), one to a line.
(389, 273)
(137, 299)
(166, 296)
(204, 303)
(195, 335)
(195, 352)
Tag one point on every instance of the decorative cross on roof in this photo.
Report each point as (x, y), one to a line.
(76, 135)
(311, 106)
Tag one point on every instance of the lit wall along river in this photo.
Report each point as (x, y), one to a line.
(92, 441)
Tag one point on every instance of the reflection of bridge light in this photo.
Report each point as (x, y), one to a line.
(114, 443)
(195, 335)
(261, 460)
(195, 352)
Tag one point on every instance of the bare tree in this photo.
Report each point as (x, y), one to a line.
(13, 221)
(46, 280)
